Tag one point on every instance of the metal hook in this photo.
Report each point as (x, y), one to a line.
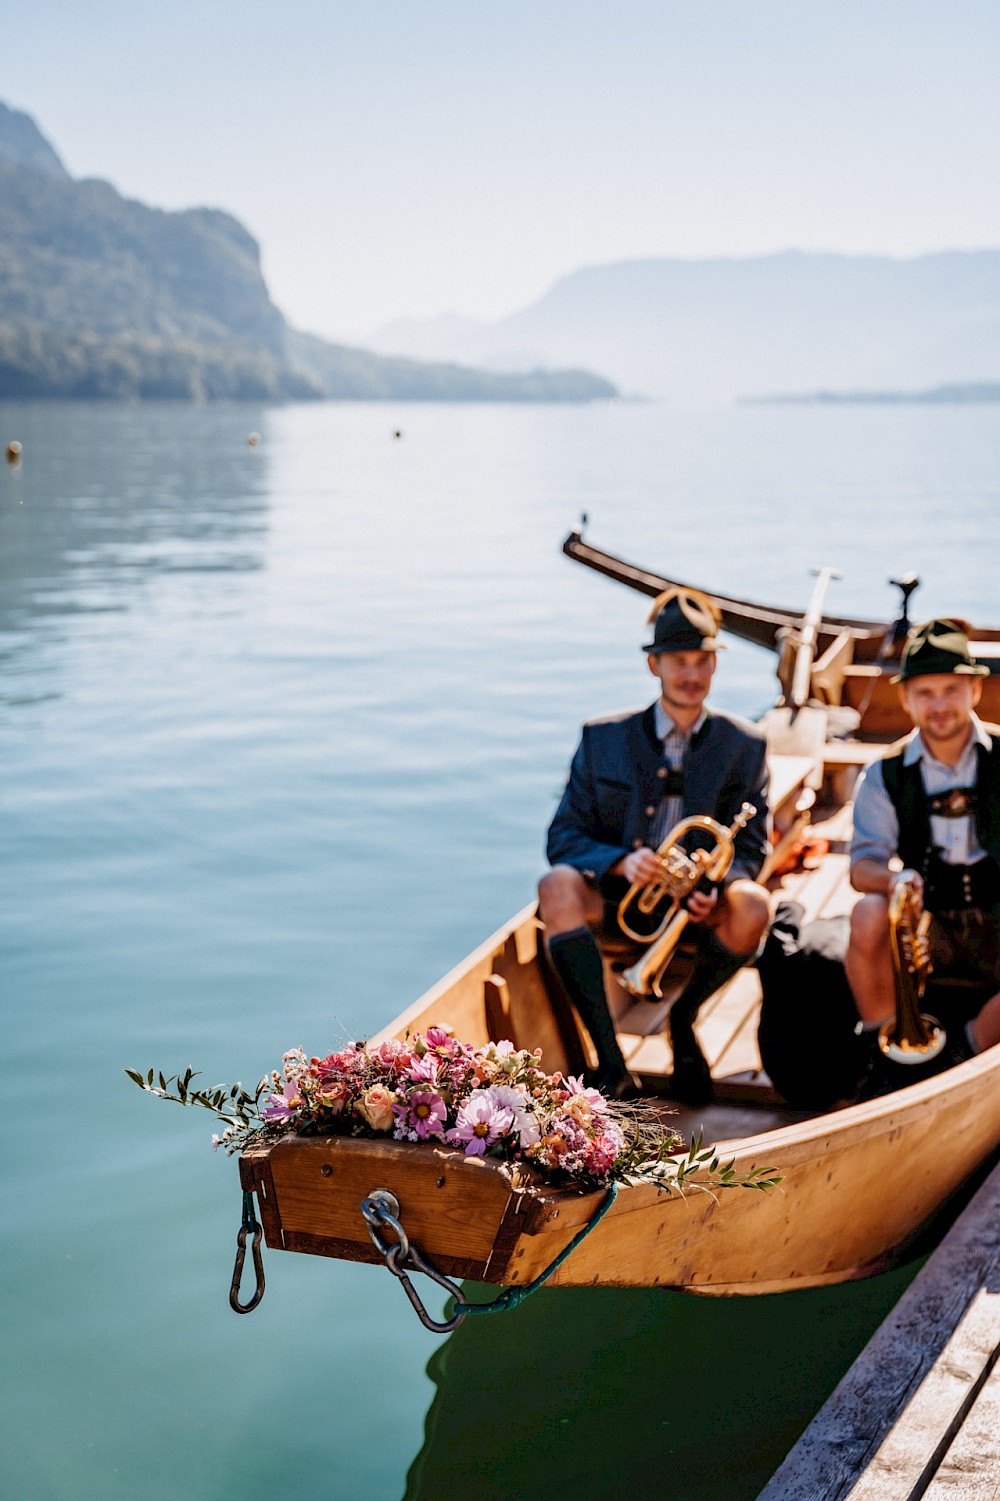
(381, 1208)
(249, 1226)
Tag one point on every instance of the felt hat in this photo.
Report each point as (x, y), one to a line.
(939, 646)
(684, 619)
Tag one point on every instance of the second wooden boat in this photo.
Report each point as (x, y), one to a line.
(855, 659)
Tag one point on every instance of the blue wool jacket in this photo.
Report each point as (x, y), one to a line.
(614, 790)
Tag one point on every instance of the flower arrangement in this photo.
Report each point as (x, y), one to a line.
(492, 1101)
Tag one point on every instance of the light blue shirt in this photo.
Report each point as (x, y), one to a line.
(876, 827)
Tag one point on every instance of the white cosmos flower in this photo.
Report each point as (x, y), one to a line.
(507, 1097)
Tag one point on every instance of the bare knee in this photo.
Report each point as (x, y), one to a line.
(566, 900)
(560, 883)
(870, 924)
(748, 912)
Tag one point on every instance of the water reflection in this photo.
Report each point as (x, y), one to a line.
(103, 500)
(591, 1391)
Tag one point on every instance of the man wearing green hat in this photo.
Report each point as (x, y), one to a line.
(933, 803)
(633, 778)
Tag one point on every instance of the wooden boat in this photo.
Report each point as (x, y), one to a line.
(858, 1182)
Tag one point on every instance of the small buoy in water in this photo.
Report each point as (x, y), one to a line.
(14, 452)
(397, 433)
(253, 439)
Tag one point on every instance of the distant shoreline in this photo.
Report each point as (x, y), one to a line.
(973, 393)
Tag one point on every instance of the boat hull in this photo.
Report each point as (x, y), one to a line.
(857, 1186)
(857, 1183)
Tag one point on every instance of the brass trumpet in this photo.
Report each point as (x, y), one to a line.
(910, 1036)
(681, 874)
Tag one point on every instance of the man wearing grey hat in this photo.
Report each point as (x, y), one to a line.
(633, 778)
(933, 804)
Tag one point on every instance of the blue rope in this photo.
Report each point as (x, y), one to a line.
(512, 1296)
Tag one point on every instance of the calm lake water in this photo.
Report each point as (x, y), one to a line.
(282, 728)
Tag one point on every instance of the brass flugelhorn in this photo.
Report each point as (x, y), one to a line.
(910, 1036)
(681, 873)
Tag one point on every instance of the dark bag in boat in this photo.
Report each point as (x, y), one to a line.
(808, 1044)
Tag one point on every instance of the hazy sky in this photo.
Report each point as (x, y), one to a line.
(405, 157)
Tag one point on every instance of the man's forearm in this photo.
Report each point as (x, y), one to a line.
(871, 876)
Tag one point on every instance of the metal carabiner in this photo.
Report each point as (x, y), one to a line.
(381, 1208)
(250, 1226)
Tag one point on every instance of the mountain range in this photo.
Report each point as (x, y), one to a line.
(103, 296)
(731, 328)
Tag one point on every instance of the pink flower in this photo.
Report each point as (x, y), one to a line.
(392, 1055)
(600, 1156)
(376, 1107)
(282, 1107)
(523, 1118)
(422, 1114)
(578, 1090)
(333, 1096)
(334, 1065)
(480, 1121)
(424, 1070)
(441, 1041)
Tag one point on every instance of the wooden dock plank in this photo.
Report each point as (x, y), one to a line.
(914, 1446)
(647, 1055)
(855, 1426)
(970, 1471)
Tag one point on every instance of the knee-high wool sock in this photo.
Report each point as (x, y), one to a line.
(576, 959)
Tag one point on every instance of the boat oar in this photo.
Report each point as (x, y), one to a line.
(805, 653)
(797, 727)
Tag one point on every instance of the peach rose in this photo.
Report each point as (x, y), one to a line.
(376, 1107)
